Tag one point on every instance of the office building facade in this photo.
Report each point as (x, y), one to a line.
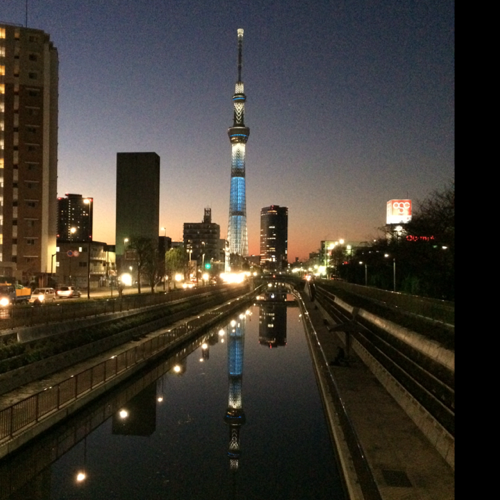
(274, 237)
(74, 218)
(202, 239)
(28, 153)
(137, 198)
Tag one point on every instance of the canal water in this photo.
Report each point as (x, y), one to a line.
(236, 415)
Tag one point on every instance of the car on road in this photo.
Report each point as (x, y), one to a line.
(66, 292)
(43, 295)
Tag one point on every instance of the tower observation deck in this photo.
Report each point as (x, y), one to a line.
(238, 135)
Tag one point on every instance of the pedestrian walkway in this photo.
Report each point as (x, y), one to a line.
(403, 462)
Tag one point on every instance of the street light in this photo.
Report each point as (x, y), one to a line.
(52, 264)
(202, 261)
(88, 201)
(88, 270)
(393, 271)
(366, 272)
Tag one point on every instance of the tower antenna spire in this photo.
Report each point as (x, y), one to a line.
(240, 52)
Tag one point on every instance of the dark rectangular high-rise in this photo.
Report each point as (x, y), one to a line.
(274, 237)
(137, 197)
(74, 219)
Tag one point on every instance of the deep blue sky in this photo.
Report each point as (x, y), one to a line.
(349, 104)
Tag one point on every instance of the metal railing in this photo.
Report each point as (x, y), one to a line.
(38, 406)
(29, 315)
(17, 417)
(364, 474)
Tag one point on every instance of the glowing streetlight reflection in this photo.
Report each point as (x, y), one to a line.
(81, 476)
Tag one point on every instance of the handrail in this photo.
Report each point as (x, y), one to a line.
(16, 417)
(367, 482)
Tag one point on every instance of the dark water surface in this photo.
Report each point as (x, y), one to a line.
(175, 441)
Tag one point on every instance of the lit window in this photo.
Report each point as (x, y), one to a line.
(2, 32)
(2, 70)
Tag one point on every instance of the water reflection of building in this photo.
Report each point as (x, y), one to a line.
(272, 314)
(272, 324)
(235, 416)
(138, 416)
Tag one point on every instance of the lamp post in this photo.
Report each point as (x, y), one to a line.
(72, 231)
(189, 251)
(366, 272)
(52, 264)
(202, 261)
(88, 269)
(393, 271)
(88, 201)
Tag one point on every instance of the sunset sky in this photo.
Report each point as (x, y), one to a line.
(349, 104)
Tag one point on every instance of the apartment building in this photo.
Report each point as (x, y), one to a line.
(28, 153)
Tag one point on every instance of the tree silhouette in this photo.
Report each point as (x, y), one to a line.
(145, 252)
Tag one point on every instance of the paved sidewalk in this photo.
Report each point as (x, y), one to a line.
(404, 463)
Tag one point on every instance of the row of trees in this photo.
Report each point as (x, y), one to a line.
(153, 265)
(419, 260)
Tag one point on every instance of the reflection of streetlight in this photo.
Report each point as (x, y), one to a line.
(82, 474)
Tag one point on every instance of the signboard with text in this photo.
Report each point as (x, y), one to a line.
(398, 211)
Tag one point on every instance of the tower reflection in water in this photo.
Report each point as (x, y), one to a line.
(235, 416)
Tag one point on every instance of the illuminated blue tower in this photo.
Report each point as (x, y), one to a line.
(235, 416)
(238, 135)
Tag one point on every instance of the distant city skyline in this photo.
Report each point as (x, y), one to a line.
(351, 105)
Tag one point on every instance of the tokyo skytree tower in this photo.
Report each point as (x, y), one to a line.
(238, 135)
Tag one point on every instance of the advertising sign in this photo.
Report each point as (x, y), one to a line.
(398, 211)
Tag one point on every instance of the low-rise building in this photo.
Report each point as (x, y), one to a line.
(81, 262)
